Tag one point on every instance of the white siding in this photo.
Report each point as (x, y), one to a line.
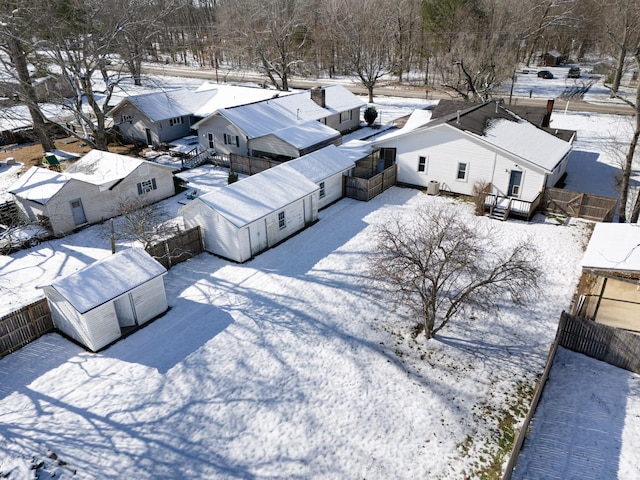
(66, 318)
(102, 326)
(94, 329)
(149, 300)
(100, 205)
(444, 148)
(220, 236)
(333, 188)
(294, 222)
(256, 235)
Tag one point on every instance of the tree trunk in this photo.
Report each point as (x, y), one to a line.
(370, 90)
(628, 164)
(19, 59)
(620, 65)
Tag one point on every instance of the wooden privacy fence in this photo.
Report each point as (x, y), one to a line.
(250, 165)
(365, 189)
(581, 205)
(180, 247)
(23, 326)
(602, 342)
(10, 214)
(609, 344)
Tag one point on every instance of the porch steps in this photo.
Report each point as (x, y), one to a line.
(499, 213)
(501, 209)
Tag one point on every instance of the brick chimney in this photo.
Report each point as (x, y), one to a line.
(318, 95)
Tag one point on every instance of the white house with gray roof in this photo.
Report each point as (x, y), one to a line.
(92, 190)
(282, 127)
(486, 143)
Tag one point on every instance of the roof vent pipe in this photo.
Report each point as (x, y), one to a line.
(458, 116)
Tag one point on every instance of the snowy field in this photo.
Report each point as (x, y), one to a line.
(291, 365)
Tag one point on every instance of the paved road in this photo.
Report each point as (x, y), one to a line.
(384, 89)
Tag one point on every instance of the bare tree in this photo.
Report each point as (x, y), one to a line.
(366, 39)
(276, 31)
(442, 266)
(143, 223)
(13, 23)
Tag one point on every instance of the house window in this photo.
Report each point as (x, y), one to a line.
(126, 117)
(210, 139)
(146, 186)
(322, 191)
(462, 171)
(282, 221)
(231, 140)
(345, 116)
(175, 121)
(422, 164)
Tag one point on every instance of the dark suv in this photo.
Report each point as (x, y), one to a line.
(574, 72)
(545, 74)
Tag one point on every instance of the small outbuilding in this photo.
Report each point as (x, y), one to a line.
(245, 218)
(97, 303)
(327, 168)
(608, 290)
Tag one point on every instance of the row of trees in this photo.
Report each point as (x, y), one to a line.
(466, 46)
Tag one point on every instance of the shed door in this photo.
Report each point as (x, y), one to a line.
(78, 212)
(124, 311)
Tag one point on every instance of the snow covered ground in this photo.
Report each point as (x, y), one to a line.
(291, 365)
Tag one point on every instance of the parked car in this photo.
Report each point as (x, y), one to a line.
(574, 72)
(17, 237)
(546, 74)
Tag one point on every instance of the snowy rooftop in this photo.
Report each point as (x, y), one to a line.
(254, 197)
(321, 164)
(339, 99)
(261, 118)
(307, 134)
(97, 167)
(614, 246)
(527, 141)
(105, 168)
(168, 104)
(38, 184)
(227, 96)
(356, 149)
(108, 278)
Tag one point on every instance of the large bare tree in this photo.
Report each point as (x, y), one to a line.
(441, 266)
(14, 18)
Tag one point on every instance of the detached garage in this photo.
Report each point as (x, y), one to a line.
(95, 304)
(249, 216)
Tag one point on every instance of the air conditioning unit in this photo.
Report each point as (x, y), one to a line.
(146, 189)
(433, 187)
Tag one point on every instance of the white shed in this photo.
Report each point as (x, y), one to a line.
(241, 220)
(94, 304)
(326, 168)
